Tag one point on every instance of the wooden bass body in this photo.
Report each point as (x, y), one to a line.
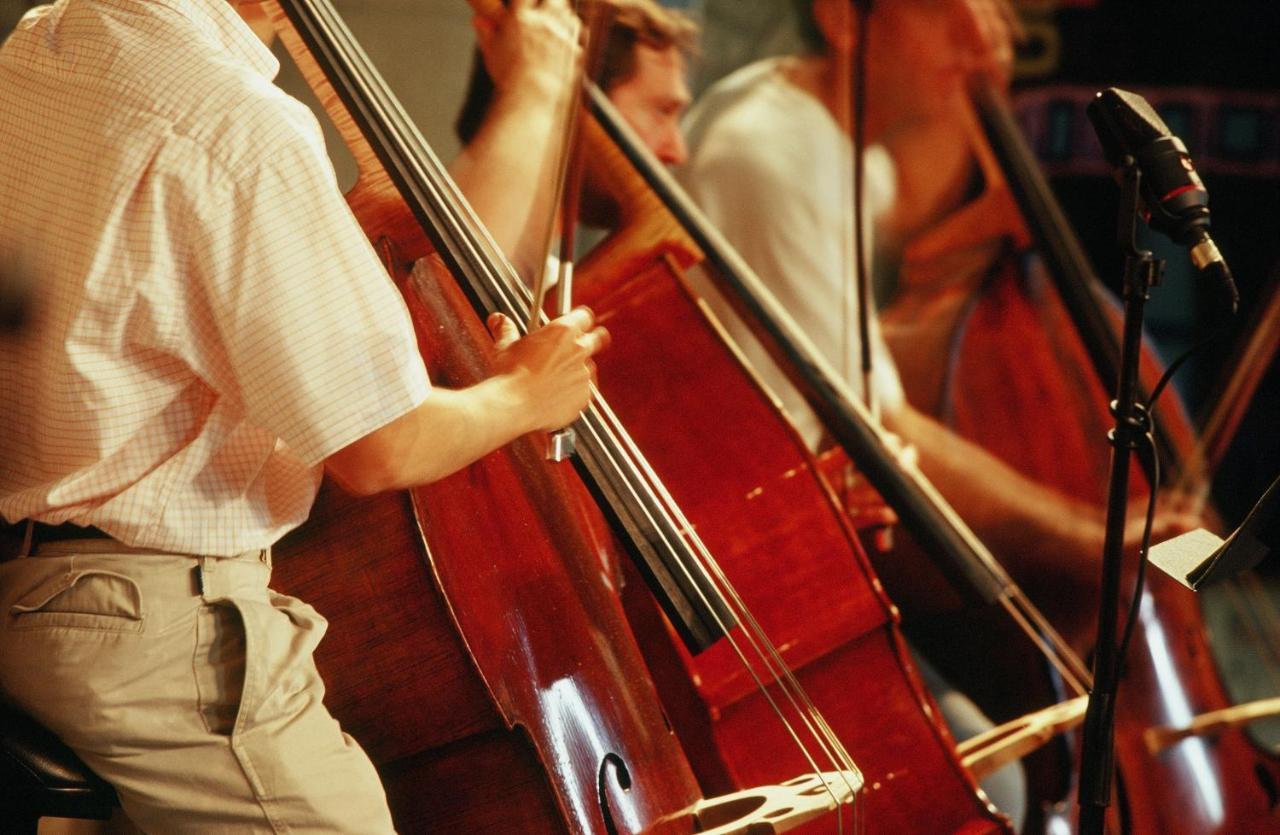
(750, 488)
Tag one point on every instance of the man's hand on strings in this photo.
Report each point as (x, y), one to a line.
(541, 382)
(867, 509)
(531, 43)
(551, 369)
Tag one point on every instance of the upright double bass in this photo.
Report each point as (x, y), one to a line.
(661, 353)
(481, 655)
(792, 555)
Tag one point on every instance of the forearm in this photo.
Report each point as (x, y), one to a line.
(540, 381)
(450, 429)
(507, 172)
(1024, 521)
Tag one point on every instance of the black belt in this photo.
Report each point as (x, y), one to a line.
(42, 534)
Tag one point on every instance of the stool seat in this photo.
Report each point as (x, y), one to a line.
(42, 777)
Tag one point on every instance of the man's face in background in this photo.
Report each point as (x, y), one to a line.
(652, 100)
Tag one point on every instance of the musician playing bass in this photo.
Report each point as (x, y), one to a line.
(763, 144)
(643, 73)
(213, 331)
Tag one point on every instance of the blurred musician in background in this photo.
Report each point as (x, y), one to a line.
(770, 162)
(764, 143)
(642, 72)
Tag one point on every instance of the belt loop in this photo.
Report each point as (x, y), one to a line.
(225, 577)
(203, 576)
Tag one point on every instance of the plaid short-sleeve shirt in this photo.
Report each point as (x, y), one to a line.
(210, 321)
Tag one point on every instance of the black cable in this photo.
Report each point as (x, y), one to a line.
(1151, 468)
(1176, 365)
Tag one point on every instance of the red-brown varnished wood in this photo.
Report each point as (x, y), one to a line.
(482, 657)
(477, 648)
(490, 672)
(747, 483)
(509, 546)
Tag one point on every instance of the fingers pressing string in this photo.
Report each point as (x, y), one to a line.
(581, 319)
(594, 340)
(502, 329)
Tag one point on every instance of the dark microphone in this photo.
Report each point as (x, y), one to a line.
(1175, 200)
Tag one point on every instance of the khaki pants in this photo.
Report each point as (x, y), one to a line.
(187, 684)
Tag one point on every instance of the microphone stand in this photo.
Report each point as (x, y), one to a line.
(1142, 272)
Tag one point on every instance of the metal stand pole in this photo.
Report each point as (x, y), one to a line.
(1142, 272)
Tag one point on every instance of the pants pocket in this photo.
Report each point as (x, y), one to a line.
(92, 599)
(254, 661)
